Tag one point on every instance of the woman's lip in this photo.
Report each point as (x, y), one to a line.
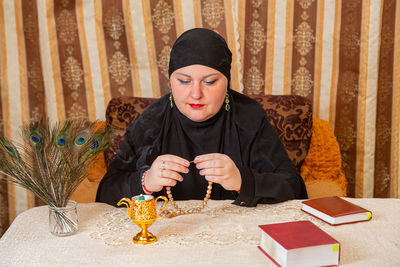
(196, 105)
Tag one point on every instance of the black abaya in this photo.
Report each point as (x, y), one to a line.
(243, 133)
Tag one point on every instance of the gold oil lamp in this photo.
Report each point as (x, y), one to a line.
(142, 211)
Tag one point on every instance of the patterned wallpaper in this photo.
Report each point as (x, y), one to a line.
(68, 58)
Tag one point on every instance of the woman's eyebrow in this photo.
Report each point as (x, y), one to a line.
(186, 75)
(209, 75)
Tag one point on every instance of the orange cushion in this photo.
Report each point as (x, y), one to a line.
(321, 169)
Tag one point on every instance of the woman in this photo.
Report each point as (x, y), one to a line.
(202, 132)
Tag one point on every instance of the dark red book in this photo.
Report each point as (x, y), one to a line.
(335, 210)
(299, 243)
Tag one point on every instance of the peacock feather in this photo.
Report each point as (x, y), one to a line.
(82, 138)
(7, 148)
(54, 157)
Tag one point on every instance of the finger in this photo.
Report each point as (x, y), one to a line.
(173, 166)
(206, 157)
(212, 172)
(176, 159)
(217, 163)
(214, 157)
(168, 174)
(167, 182)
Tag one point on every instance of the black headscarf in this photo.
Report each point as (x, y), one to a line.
(201, 46)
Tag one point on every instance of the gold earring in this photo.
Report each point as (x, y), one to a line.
(227, 107)
(171, 104)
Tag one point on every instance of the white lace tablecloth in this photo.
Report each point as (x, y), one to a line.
(223, 234)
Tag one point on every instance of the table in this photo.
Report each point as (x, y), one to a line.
(222, 235)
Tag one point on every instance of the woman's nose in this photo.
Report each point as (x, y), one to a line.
(196, 90)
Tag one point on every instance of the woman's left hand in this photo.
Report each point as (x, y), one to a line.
(219, 168)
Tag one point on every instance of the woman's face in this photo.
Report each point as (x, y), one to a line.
(198, 91)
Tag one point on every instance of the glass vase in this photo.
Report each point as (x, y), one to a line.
(63, 221)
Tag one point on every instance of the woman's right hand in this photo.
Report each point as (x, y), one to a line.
(165, 172)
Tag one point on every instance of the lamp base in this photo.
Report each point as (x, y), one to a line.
(144, 238)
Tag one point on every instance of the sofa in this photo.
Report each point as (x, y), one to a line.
(310, 142)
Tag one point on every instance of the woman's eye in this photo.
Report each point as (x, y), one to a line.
(183, 81)
(210, 82)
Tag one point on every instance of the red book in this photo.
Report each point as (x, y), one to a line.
(335, 210)
(299, 243)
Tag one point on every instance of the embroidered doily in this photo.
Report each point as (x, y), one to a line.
(220, 223)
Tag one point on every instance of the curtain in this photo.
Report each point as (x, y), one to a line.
(67, 58)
